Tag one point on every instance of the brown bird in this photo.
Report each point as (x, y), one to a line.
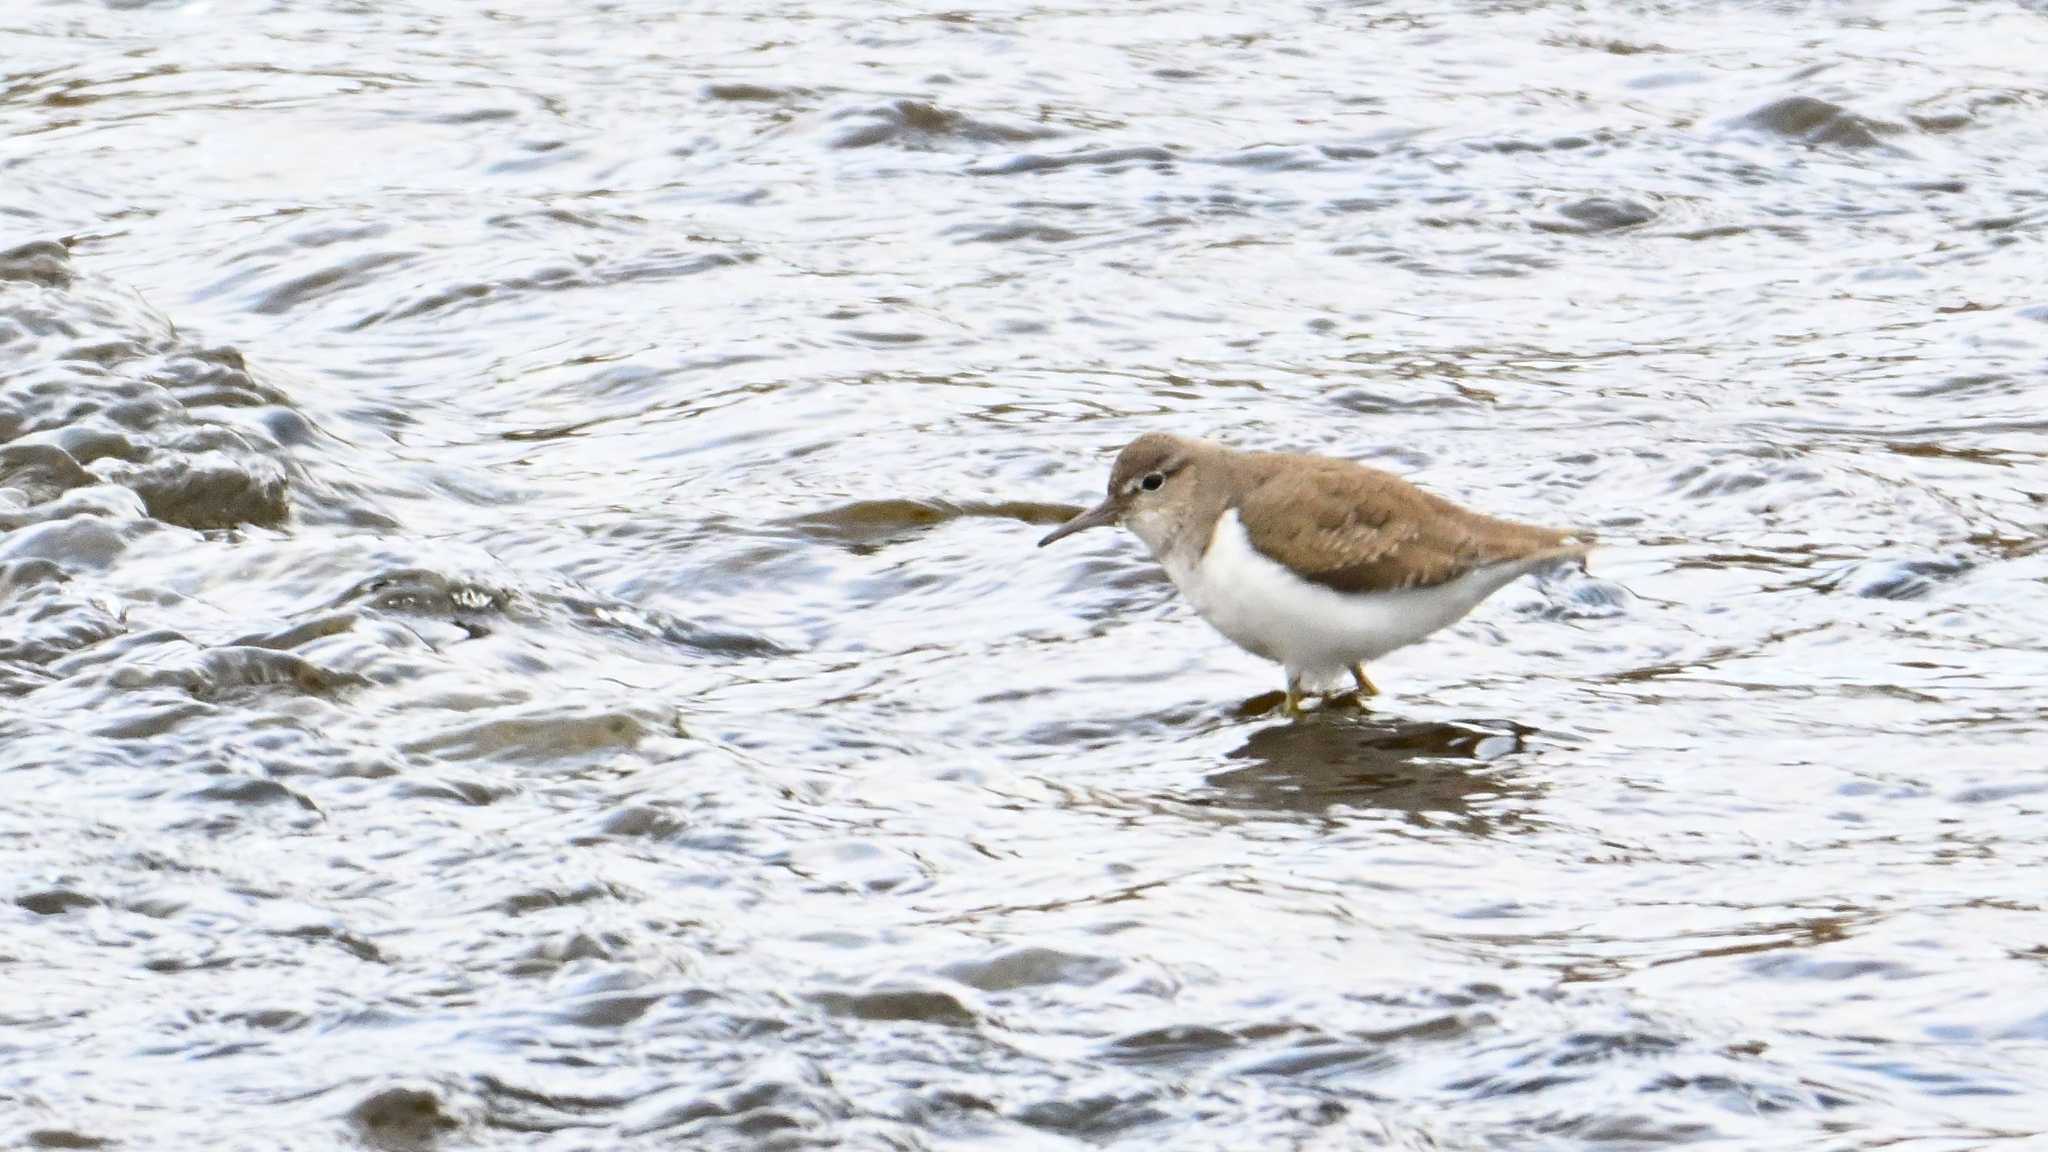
(1318, 564)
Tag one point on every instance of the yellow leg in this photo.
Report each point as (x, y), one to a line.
(1365, 685)
(1294, 695)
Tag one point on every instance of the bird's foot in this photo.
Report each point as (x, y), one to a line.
(1365, 685)
(1298, 702)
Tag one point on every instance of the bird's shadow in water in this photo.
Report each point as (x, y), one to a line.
(1433, 773)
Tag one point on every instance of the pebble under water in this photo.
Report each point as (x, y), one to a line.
(520, 628)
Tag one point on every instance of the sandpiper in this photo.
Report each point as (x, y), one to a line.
(1318, 564)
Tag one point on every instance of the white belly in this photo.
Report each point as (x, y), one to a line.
(1315, 631)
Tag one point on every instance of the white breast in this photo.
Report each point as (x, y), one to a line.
(1312, 630)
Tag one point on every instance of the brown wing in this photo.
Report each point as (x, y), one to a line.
(1354, 528)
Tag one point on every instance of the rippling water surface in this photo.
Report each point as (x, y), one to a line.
(519, 627)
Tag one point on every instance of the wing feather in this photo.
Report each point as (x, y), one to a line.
(1354, 528)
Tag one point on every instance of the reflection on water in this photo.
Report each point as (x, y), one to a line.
(1430, 772)
(519, 620)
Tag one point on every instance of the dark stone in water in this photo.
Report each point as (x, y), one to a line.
(1819, 122)
(44, 262)
(752, 93)
(1598, 214)
(211, 490)
(54, 901)
(1172, 1041)
(401, 1118)
(924, 1005)
(65, 1138)
(41, 471)
(419, 591)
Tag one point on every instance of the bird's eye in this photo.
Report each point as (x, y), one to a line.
(1152, 482)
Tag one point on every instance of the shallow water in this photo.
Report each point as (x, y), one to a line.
(519, 624)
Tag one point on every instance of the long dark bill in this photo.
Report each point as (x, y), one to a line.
(1101, 516)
